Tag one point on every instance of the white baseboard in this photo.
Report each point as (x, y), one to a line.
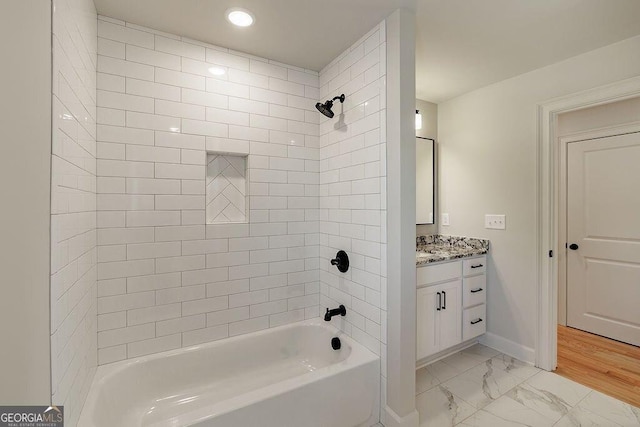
(394, 420)
(508, 347)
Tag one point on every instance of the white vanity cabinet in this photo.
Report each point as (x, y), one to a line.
(439, 309)
(474, 298)
(450, 300)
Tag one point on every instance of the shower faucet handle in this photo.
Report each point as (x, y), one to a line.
(341, 261)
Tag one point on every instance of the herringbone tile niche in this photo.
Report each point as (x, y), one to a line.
(226, 188)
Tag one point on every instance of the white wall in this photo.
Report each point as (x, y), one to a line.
(73, 205)
(399, 384)
(488, 150)
(166, 279)
(25, 150)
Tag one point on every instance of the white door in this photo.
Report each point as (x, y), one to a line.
(603, 230)
(428, 307)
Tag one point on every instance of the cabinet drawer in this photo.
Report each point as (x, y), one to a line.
(474, 290)
(474, 266)
(474, 322)
(438, 273)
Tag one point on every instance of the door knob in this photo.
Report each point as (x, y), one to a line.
(573, 247)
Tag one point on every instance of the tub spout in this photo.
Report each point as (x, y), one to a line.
(342, 311)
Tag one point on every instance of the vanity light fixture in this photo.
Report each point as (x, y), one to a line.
(240, 17)
(418, 120)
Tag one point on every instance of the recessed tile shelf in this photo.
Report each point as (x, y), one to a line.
(226, 189)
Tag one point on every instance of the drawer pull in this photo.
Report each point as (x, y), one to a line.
(478, 320)
(473, 291)
(444, 300)
(439, 301)
(477, 266)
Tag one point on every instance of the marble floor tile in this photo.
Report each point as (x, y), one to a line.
(554, 385)
(517, 413)
(461, 361)
(514, 366)
(482, 384)
(425, 380)
(442, 371)
(610, 408)
(480, 352)
(543, 402)
(479, 387)
(438, 407)
(486, 419)
(580, 418)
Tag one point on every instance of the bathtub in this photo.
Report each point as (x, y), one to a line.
(286, 376)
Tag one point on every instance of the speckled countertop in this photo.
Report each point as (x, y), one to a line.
(436, 248)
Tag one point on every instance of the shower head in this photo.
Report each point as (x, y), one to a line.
(326, 107)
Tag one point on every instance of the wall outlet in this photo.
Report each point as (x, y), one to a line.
(445, 219)
(495, 222)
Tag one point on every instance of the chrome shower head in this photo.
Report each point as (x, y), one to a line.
(328, 105)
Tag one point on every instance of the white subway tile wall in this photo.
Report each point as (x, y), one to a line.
(166, 278)
(73, 204)
(353, 191)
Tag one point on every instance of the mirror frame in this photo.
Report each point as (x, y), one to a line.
(433, 180)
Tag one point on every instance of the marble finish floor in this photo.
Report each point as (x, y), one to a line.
(480, 387)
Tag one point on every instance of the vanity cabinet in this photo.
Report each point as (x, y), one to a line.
(438, 317)
(451, 301)
(474, 298)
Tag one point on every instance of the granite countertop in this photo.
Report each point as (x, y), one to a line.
(436, 248)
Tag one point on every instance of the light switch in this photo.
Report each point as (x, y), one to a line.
(495, 222)
(445, 219)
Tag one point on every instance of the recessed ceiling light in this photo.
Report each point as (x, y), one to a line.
(217, 71)
(240, 17)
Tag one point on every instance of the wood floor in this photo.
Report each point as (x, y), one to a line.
(608, 366)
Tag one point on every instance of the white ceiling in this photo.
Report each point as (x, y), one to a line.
(306, 33)
(461, 44)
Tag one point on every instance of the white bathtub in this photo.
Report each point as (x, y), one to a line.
(285, 376)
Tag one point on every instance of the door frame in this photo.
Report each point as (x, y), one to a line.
(547, 214)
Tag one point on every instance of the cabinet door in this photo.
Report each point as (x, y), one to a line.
(427, 317)
(451, 314)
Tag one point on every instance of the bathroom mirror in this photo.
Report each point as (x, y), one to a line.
(424, 180)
